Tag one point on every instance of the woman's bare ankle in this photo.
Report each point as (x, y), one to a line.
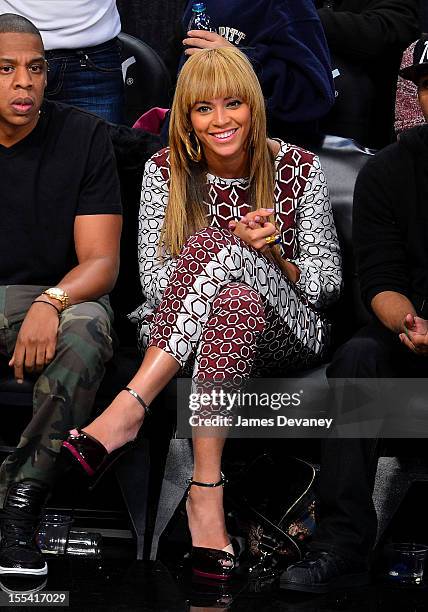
(206, 518)
(118, 424)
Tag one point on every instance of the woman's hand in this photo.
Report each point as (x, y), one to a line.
(201, 39)
(254, 228)
(256, 218)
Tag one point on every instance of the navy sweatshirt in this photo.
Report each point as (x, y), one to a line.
(285, 41)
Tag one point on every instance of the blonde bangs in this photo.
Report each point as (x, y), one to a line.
(219, 73)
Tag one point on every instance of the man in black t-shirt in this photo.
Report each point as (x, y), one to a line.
(59, 257)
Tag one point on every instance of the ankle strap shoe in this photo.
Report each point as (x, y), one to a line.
(90, 455)
(212, 563)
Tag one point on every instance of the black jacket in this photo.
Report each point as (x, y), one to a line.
(361, 30)
(366, 39)
(391, 219)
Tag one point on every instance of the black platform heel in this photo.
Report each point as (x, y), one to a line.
(211, 563)
(87, 452)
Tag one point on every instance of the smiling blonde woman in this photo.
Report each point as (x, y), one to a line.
(238, 258)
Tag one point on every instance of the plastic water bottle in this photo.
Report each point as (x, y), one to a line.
(200, 19)
(84, 544)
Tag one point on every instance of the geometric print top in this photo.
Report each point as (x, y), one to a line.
(302, 213)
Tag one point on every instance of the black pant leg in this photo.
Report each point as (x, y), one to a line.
(348, 466)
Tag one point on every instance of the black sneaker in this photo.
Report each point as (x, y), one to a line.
(19, 553)
(322, 572)
(22, 584)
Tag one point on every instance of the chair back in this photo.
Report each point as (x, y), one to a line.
(342, 159)
(146, 79)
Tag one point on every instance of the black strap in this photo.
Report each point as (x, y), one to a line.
(220, 483)
(138, 398)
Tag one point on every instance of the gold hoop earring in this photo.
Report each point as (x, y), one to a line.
(195, 156)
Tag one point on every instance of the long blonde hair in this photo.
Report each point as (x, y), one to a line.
(209, 74)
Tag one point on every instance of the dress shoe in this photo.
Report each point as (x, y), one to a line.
(88, 453)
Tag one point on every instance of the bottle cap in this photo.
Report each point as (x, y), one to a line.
(198, 7)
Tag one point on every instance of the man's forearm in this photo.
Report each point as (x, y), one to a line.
(390, 308)
(90, 280)
(97, 244)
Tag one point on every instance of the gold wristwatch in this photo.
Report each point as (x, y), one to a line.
(59, 294)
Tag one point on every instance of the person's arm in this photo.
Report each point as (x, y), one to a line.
(363, 36)
(319, 259)
(97, 240)
(379, 244)
(97, 229)
(97, 244)
(294, 69)
(398, 314)
(391, 308)
(154, 270)
(381, 251)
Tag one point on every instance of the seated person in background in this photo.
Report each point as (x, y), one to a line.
(59, 245)
(80, 39)
(287, 47)
(408, 112)
(391, 245)
(216, 208)
(366, 39)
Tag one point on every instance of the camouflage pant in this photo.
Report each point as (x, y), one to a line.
(64, 393)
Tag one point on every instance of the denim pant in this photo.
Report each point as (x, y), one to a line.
(90, 78)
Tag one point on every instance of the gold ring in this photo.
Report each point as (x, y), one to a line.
(274, 239)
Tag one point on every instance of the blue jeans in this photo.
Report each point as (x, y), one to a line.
(90, 78)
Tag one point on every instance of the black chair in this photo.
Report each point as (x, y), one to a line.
(147, 82)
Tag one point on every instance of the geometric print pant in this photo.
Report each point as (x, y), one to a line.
(228, 312)
(64, 393)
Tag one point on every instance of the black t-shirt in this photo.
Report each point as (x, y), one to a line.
(64, 168)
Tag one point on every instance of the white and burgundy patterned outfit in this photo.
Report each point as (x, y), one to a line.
(221, 307)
